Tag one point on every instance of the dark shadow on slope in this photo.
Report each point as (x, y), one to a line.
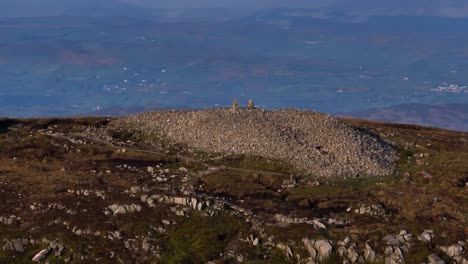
(6, 123)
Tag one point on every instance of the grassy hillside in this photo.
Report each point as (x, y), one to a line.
(59, 178)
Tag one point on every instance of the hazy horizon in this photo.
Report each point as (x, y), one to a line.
(69, 57)
(363, 8)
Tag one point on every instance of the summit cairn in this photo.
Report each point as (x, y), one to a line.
(250, 105)
(235, 105)
(316, 143)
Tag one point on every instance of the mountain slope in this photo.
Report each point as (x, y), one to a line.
(76, 190)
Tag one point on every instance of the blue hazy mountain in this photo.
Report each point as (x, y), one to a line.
(452, 116)
(351, 8)
(77, 57)
(47, 8)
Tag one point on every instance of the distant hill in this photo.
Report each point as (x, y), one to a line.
(449, 116)
(45, 8)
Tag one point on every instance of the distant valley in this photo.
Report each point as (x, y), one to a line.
(134, 59)
(452, 116)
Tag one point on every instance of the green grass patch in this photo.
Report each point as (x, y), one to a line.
(241, 184)
(256, 163)
(341, 188)
(200, 239)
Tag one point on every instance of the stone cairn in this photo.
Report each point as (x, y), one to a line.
(250, 105)
(235, 105)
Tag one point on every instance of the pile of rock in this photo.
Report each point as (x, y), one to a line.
(299, 220)
(373, 210)
(456, 252)
(123, 209)
(8, 220)
(195, 203)
(315, 142)
(82, 232)
(348, 251)
(98, 193)
(397, 245)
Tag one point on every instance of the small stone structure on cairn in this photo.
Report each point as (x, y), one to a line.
(250, 105)
(235, 105)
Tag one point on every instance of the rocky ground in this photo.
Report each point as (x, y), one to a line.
(82, 191)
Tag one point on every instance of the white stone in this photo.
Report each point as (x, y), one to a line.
(179, 200)
(391, 240)
(137, 207)
(426, 236)
(114, 207)
(347, 240)
(454, 250)
(319, 224)
(369, 254)
(255, 241)
(41, 255)
(135, 189)
(324, 249)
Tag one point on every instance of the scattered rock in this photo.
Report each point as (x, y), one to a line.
(391, 240)
(426, 236)
(16, 245)
(41, 255)
(123, 209)
(374, 210)
(8, 220)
